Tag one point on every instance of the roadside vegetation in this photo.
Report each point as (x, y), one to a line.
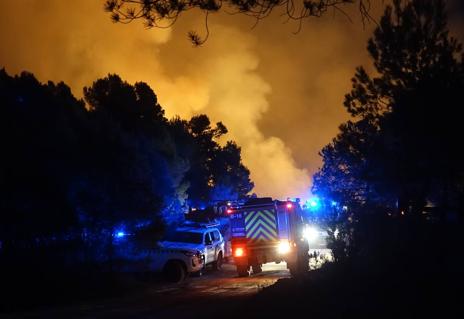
(80, 176)
(396, 168)
(398, 159)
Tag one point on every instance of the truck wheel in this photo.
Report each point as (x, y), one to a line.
(243, 270)
(257, 268)
(305, 263)
(174, 272)
(303, 259)
(217, 265)
(294, 269)
(300, 266)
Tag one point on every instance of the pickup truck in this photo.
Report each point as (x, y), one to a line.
(205, 239)
(186, 250)
(175, 263)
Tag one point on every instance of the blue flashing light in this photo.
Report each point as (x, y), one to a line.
(120, 234)
(333, 203)
(313, 203)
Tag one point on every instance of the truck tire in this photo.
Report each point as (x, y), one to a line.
(243, 270)
(293, 268)
(174, 271)
(300, 266)
(257, 268)
(304, 261)
(296, 269)
(217, 265)
(303, 258)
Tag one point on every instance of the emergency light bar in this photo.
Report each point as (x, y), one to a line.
(200, 225)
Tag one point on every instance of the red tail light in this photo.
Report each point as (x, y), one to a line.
(239, 252)
(289, 205)
(229, 211)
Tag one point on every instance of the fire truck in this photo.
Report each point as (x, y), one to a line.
(265, 230)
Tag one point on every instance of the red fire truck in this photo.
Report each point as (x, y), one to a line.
(265, 230)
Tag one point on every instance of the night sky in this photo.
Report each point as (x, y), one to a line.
(279, 94)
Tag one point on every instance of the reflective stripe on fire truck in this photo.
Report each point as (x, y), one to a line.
(261, 225)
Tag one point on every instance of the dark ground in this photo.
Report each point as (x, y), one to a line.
(405, 269)
(198, 297)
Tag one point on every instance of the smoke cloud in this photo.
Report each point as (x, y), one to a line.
(79, 44)
(280, 95)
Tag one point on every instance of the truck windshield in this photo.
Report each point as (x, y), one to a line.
(185, 237)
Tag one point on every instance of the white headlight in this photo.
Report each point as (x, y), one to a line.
(310, 233)
(284, 247)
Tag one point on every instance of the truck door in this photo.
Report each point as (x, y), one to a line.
(217, 241)
(210, 249)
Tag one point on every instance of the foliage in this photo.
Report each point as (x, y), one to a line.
(216, 172)
(81, 173)
(400, 151)
(401, 145)
(163, 14)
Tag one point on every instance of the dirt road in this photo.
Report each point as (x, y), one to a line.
(210, 294)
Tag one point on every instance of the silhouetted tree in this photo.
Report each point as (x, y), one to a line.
(403, 146)
(201, 175)
(231, 179)
(41, 144)
(215, 172)
(160, 13)
(134, 107)
(72, 173)
(343, 177)
(154, 172)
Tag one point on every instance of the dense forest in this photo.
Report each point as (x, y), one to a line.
(400, 152)
(76, 173)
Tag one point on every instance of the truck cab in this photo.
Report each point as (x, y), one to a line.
(265, 230)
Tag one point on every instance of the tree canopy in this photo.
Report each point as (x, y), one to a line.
(75, 170)
(401, 148)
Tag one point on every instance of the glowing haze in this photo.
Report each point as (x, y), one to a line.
(279, 94)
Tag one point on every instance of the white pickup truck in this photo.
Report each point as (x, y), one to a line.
(175, 263)
(207, 240)
(184, 251)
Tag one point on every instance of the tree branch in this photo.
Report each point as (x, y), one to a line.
(155, 13)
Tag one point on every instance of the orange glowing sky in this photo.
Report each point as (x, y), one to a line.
(279, 94)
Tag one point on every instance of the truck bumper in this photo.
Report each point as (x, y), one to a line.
(263, 256)
(241, 261)
(260, 256)
(196, 264)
